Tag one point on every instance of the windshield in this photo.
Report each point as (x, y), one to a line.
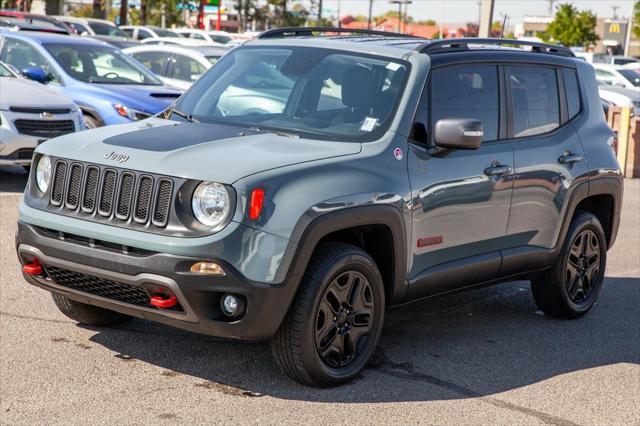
(311, 92)
(633, 75)
(105, 29)
(220, 38)
(4, 71)
(164, 33)
(100, 64)
(213, 59)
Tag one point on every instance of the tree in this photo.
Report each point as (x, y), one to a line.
(429, 22)
(571, 27)
(636, 19)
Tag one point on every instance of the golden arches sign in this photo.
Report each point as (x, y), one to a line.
(614, 28)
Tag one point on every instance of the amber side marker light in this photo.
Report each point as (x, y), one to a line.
(208, 268)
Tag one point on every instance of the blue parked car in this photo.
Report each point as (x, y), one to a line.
(109, 86)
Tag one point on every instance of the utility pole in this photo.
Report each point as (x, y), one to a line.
(399, 3)
(370, 10)
(615, 11)
(406, 6)
(320, 13)
(486, 18)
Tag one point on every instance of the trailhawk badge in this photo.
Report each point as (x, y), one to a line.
(120, 158)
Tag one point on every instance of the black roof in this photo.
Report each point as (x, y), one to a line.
(408, 42)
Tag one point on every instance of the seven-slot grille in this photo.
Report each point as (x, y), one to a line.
(118, 195)
(44, 128)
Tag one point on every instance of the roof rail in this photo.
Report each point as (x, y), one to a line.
(448, 44)
(309, 32)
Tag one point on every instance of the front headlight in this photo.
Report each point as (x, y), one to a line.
(43, 173)
(211, 204)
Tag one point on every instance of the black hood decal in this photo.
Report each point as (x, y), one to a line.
(176, 136)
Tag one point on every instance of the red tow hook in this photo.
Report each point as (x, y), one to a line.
(33, 268)
(162, 302)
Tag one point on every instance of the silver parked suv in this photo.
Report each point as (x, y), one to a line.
(31, 113)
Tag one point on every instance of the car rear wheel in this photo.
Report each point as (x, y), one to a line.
(334, 324)
(88, 314)
(572, 285)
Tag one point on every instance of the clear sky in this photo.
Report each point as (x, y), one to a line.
(459, 11)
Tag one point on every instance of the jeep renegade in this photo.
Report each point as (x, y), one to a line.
(310, 179)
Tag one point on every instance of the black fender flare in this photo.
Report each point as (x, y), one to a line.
(327, 223)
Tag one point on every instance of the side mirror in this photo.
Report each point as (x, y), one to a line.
(460, 133)
(36, 74)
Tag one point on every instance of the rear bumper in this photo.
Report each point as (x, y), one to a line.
(198, 295)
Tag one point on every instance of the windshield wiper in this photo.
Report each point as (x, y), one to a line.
(275, 132)
(184, 115)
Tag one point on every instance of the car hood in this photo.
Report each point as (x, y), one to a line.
(149, 99)
(213, 152)
(16, 92)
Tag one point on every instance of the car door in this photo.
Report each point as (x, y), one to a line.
(23, 56)
(460, 198)
(548, 155)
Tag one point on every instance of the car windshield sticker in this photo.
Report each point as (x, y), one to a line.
(369, 124)
(393, 66)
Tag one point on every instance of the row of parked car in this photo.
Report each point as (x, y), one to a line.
(63, 74)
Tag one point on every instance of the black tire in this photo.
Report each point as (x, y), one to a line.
(335, 268)
(572, 285)
(88, 314)
(90, 122)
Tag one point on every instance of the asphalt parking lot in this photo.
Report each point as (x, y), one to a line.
(480, 357)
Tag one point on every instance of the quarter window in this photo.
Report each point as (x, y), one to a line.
(534, 93)
(155, 61)
(572, 91)
(467, 92)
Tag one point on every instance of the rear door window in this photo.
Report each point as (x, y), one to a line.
(155, 61)
(468, 91)
(535, 102)
(572, 90)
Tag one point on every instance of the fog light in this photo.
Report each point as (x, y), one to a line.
(209, 268)
(231, 305)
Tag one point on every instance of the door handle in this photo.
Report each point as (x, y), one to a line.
(568, 158)
(497, 170)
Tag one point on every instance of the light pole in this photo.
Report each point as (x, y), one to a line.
(400, 3)
(370, 10)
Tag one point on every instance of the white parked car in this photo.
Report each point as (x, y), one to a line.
(179, 41)
(619, 96)
(140, 32)
(100, 29)
(615, 75)
(221, 37)
(31, 113)
(176, 65)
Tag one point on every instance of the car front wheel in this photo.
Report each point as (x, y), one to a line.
(334, 324)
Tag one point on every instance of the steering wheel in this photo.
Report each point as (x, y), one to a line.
(113, 74)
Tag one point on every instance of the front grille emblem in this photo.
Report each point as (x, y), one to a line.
(120, 158)
(45, 115)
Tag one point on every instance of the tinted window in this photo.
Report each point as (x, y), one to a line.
(22, 55)
(536, 109)
(572, 91)
(101, 28)
(142, 34)
(467, 92)
(632, 75)
(155, 61)
(79, 28)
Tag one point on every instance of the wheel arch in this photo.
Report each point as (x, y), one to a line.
(356, 225)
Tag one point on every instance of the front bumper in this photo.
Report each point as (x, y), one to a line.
(198, 295)
(16, 149)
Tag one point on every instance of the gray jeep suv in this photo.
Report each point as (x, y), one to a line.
(393, 169)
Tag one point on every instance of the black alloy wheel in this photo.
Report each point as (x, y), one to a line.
(344, 319)
(583, 266)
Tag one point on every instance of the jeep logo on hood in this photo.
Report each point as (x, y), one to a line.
(120, 158)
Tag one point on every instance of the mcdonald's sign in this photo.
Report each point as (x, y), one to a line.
(614, 28)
